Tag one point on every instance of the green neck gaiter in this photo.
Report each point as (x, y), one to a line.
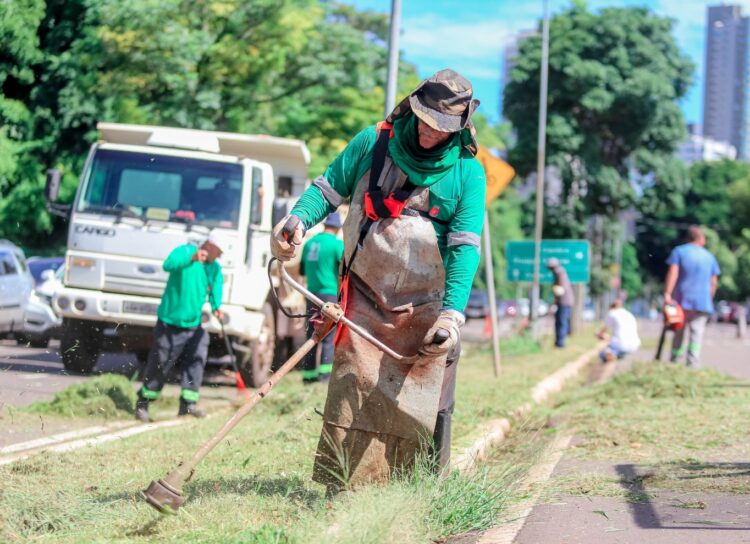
(423, 166)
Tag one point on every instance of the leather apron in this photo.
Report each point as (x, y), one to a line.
(380, 413)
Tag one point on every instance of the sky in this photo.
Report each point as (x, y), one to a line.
(470, 35)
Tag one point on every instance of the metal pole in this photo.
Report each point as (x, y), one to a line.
(540, 161)
(490, 279)
(395, 29)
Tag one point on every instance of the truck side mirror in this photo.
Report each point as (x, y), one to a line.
(52, 187)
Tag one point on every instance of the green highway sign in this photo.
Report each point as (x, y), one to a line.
(572, 254)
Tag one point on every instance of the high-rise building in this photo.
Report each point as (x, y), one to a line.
(726, 101)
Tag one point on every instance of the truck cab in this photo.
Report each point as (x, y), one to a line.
(145, 190)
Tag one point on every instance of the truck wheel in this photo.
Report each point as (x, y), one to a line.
(255, 364)
(80, 345)
(38, 341)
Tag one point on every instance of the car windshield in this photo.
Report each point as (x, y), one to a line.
(7, 264)
(158, 187)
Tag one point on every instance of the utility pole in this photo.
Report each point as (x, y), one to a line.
(393, 35)
(540, 163)
(489, 270)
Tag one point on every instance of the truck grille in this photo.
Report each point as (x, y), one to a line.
(133, 286)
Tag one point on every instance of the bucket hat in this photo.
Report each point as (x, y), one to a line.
(444, 102)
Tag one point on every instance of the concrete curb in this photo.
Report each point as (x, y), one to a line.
(494, 432)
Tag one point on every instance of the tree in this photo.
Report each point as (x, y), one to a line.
(297, 68)
(505, 224)
(613, 120)
(713, 199)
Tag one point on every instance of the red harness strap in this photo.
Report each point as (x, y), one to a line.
(377, 206)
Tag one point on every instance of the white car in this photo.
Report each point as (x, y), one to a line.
(16, 284)
(41, 323)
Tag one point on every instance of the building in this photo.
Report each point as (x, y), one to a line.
(700, 148)
(726, 101)
(510, 52)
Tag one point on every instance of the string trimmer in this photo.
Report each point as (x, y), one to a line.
(166, 494)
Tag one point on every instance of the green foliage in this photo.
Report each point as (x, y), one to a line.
(630, 271)
(716, 197)
(108, 396)
(505, 224)
(613, 121)
(297, 68)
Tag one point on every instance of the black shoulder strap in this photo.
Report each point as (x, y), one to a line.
(379, 153)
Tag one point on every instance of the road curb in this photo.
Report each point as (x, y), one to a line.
(494, 432)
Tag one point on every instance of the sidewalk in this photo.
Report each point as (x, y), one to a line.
(703, 497)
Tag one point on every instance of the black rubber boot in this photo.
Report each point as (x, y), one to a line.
(441, 450)
(141, 410)
(190, 409)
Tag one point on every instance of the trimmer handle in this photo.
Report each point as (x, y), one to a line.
(441, 335)
(289, 228)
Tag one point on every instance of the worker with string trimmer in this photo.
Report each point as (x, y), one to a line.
(411, 239)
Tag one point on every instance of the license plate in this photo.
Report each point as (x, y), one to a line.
(145, 308)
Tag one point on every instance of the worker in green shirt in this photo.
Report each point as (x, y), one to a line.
(321, 259)
(416, 198)
(194, 277)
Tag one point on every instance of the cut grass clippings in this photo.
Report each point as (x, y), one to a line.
(256, 485)
(107, 396)
(662, 426)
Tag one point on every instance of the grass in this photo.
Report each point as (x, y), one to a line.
(256, 487)
(108, 396)
(661, 426)
(481, 397)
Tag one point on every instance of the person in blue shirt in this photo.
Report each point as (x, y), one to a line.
(691, 282)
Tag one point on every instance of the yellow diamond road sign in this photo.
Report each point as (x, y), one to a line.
(498, 172)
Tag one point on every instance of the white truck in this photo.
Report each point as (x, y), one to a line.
(145, 190)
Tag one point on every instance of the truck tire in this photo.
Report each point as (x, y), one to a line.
(80, 345)
(255, 363)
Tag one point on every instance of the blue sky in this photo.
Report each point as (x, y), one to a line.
(469, 36)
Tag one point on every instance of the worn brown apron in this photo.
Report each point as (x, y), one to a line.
(380, 413)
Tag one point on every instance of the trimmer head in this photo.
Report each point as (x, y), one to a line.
(162, 496)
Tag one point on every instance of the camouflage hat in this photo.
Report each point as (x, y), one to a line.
(444, 101)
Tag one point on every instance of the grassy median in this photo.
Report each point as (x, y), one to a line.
(658, 426)
(255, 487)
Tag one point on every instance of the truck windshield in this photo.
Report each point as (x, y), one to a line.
(159, 187)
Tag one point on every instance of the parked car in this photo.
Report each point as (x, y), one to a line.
(524, 307)
(478, 304)
(39, 265)
(16, 284)
(723, 311)
(41, 323)
(735, 309)
(507, 308)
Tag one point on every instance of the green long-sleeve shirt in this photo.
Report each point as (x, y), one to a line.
(459, 195)
(188, 288)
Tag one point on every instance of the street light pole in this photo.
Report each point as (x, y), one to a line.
(393, 35)
(540, 162)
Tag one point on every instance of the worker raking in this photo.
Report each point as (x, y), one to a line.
(411, 249)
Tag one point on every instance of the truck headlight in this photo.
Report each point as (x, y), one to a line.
(63, 303)
(80, 304)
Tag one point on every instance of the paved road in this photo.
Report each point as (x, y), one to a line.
(29, 374)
